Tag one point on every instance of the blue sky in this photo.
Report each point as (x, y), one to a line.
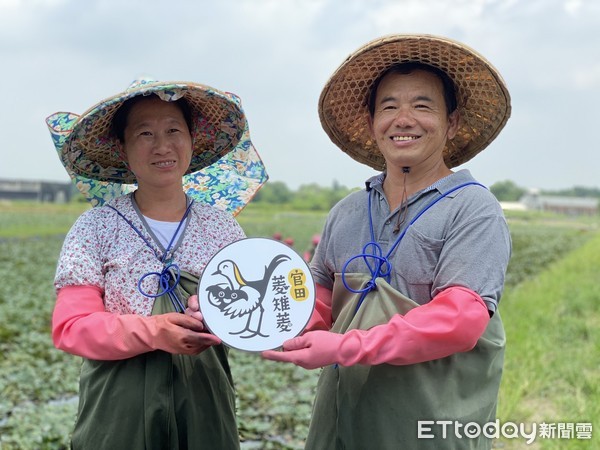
(66, 55)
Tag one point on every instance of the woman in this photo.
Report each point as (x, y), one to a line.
(152, 377)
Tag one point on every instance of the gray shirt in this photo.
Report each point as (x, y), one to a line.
(462, 240)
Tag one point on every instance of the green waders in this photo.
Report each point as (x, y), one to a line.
(158, 400)
(379, 407)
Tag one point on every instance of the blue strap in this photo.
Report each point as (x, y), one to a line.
(379, 265)
(168, 278)
(167, 282)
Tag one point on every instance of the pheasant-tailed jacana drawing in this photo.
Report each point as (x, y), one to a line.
(243, 297)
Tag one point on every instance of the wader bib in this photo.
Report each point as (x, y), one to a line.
(158, 400)
(378, 407)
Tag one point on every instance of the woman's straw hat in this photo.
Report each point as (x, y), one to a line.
(91, 150)
(225, 170)
(482, 96)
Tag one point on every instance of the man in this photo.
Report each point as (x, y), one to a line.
(410, 270)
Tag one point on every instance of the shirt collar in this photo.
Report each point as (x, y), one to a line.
(374, 181)
(441, 185)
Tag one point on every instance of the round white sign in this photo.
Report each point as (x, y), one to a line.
(256, 293)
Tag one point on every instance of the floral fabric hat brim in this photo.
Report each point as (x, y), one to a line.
(229, 183)
(91, 150)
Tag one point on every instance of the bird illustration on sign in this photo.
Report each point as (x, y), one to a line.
(238, 296)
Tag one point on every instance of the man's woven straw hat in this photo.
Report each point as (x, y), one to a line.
(482, 95)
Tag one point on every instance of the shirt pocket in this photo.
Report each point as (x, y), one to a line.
(417, 257)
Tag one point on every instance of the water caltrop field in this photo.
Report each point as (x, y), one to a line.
(551, 312)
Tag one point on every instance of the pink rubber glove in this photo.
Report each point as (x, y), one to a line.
(321, 316)
(81, 326)
(452, 322)
(312, 350)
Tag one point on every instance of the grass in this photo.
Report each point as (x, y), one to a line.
(26, 219)
(553, 347)
(265, 222)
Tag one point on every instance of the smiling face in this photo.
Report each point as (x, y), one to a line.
(157, 143)
(410, 122)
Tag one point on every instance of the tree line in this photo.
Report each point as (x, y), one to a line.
(314, 197)
(308, 197)
(508, 191)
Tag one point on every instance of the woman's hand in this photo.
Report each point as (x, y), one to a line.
(183, 333)
(193, 308)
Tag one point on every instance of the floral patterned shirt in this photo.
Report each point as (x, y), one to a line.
(103, 250)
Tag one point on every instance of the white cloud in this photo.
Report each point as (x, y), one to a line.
(588, 77)
(414, 15)
(9, 5)
(573, 6)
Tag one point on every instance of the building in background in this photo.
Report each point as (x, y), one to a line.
(572, 206)
(41, 191)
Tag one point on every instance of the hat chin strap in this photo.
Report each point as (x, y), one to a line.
(404, 203)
